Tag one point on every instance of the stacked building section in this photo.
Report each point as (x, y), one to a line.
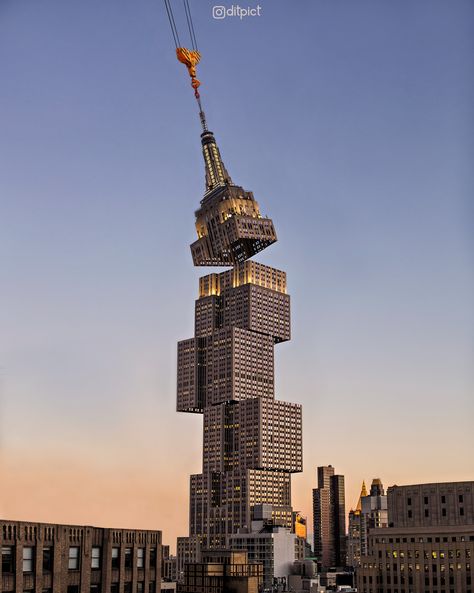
(252, 443)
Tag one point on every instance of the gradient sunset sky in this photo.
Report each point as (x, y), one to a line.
(352, 122)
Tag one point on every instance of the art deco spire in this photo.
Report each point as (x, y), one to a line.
(216, 173)
(363, 493)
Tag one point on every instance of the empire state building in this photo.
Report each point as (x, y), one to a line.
(252, 442)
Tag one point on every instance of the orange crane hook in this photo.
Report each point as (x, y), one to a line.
(190, 58)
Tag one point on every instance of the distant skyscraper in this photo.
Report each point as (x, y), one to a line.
(329, 518)
(370, 513)
(252, 443)
(374, 511)
(354, 534)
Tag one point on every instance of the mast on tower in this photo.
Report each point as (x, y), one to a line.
(229, 224)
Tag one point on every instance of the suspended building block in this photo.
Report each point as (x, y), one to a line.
(229, 225)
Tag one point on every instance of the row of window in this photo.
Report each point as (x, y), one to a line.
(404, 540)
(426, 553)
(443, 512)
(74, 557)
(426, 499)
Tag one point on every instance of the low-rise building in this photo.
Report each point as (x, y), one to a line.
(222, 571)
(51, 558)
(188, 550)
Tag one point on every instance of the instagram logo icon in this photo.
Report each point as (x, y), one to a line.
(218, 12)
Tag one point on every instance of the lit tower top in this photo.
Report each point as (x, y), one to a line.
(229, 225)
(363, 493)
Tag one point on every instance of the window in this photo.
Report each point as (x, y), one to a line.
(153, 558)
(8, 559)
(28, 559)
(95, 557)
(73, 589)
(140, 587)
(47, 559)
(115, 558)
(426, 500)
(95, 589)
(140, 558)
(443, 499)
(73, 563)
(127, 588)
(114, 588)
(128, 558)
(152, 587)
(427, 513)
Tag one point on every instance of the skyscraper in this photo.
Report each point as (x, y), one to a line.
(355, 531)
(329, 518)
(252, 443)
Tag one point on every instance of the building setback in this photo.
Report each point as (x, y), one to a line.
(429, 544)
(50, 558)
(329, 519)
(252, 443)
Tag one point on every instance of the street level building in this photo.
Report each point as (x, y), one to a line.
(188, 550)
(222, 571)
(275, 548)
(429, 544)
(329, 519)
(252, 442)
(50, 558)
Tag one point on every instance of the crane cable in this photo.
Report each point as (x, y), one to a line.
(174, 30)
(189, 20)
(189, 57)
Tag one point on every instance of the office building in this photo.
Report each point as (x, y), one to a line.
(429, 544)
(50, 558)
(329, 519)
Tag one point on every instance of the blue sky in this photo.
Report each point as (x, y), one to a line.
(350, 120)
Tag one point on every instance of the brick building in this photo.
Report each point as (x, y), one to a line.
(49, 558)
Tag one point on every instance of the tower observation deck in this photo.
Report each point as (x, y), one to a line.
(252, 442)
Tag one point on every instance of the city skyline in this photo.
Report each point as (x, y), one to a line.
(361, 155)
